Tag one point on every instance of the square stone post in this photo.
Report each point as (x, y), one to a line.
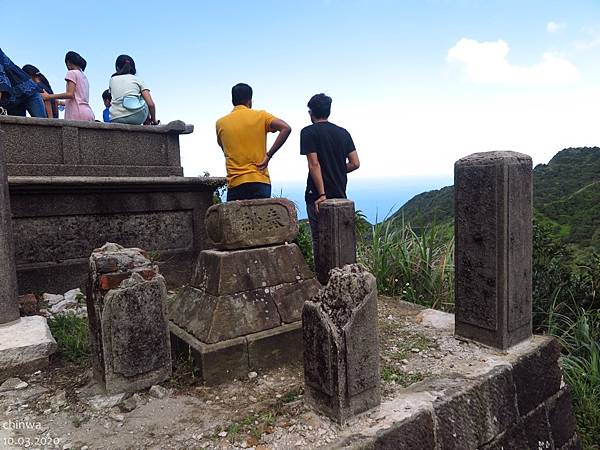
(9, 306)
(336, 244)
(493, 232)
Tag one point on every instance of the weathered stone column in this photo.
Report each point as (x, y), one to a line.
(9, 307)
(336, 244)
(341, 352)
(129, 334)
(493, 232)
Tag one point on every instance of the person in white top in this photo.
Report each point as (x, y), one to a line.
(131, 99)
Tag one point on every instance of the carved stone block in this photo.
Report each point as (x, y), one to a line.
(251, 223)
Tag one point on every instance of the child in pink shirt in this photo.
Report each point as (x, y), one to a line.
(77, 97)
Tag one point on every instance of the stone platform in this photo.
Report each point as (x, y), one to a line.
(235, 358)
(52, 147)
(25, 346)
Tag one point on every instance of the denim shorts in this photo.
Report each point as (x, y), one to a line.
(137, 118)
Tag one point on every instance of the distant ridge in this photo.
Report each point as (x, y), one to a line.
(566, 193)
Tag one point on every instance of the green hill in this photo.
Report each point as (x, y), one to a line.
(566, 192)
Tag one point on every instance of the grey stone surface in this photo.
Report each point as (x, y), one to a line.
(414, 433)
(542, 366)
(341, 359)
(128, 326)
(25, 346)
(251, 223)
(69, 148)
(336, 245)
(9, 306)
(478, 412)
(228, 272)
(561, 417)
(493, 232)
(60, 220)
(234, 358)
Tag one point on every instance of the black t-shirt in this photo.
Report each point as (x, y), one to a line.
(332, 144)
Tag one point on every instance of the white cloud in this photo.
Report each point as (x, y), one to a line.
(554, 27)
(591, 40)
(486, 62)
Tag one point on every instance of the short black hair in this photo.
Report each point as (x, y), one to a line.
(241, 94)
(106, 95)
(75, 58)
(320, 106)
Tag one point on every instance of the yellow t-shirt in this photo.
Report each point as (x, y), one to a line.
(243, 135)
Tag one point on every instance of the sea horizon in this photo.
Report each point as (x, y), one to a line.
(376, 198)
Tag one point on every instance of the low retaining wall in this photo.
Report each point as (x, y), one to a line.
(53, 147)
(58, 221)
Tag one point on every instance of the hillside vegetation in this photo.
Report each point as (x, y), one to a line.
(566, 197)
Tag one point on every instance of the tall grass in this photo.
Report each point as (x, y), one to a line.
(578, 330)
(415, 266)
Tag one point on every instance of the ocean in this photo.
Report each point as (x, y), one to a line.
(376, 198)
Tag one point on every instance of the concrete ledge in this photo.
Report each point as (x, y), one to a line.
(45, 147)
(234, 358)
(475, 409)
(25, 346)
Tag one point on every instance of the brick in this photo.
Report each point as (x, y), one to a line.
(537, 376)
(106, 264)
(28, 305)
(147, 274)
(113, 280)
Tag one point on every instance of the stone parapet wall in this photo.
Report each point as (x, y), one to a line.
(58, 221)
(50, 147)
(518, 402)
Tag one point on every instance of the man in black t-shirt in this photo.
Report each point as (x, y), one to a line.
(331, 155)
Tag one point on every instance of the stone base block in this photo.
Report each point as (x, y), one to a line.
(25, 346)
(234, 358)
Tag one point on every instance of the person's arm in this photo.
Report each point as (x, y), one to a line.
(284, 132)
(69, 95)
(48, 105)
(353, 162)
(151, 107)
(314, 169)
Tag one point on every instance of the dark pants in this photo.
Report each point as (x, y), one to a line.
(313, 221)
(249, 191)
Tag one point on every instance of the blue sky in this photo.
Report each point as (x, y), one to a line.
(419, 84)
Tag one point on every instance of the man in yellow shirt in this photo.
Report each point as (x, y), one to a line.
(242, 134)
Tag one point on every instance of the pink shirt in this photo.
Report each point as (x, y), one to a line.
(79, 107)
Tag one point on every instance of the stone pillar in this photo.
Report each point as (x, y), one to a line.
(341, 352)
(493, 232)
(126, 305)
(336, 244)
(9, 307)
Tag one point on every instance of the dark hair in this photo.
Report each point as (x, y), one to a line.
(76, 59)
(241, 94)
(106, 95)
(34, 71)
(125, 65)
(320, 106)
